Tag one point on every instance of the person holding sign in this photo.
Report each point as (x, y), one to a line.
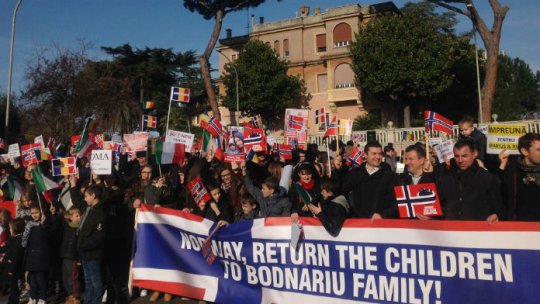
(521, 179)
(468, 192)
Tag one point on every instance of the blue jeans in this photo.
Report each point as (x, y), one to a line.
(92, 281)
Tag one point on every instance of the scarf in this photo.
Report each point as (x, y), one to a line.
(26, 233)
(309, 185)
(226, 187)
(532, 173)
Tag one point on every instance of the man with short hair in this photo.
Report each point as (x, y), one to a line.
(372, 186)
(521, 179)
(468, 192)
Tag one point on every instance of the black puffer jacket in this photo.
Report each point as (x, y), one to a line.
(68, 248)
(470, 195)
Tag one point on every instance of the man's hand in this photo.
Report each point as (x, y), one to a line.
(294, 217)
(503, 157)
(423, 217)
(376, 216)
(492, 218)
(314, 209)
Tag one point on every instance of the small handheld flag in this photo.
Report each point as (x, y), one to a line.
(64, 166)
(332, 128)
(150, 121)
(436, 122)
(149, 105)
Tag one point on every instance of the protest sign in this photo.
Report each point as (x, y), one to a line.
(179, 137)
(14, 151)
(39, 140)
(504, 137)
(198, 191)
(29, 154)
(101, 162)
(417, 199)
(136, 142)
(385, 261)
(254, 139)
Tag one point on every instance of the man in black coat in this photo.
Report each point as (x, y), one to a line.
(469, 192)
(521, 179)
(91, 238)
(372, 186)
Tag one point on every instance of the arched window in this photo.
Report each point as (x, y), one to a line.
(286, 47)
(343, 76)
(276, 48)
(342, 35)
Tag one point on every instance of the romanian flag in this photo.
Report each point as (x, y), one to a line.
(180, 94)
(149, 105)
(150, 121)
(170, 153)
(64, 166)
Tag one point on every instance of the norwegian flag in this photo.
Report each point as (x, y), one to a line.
(417, 199)
(257, 121)
(332, 129)
(320, 117)
(356, 158)
(436, 122)
(284, 151)
(296, 122)
(207, 251)
(254, 139)
(214, 127)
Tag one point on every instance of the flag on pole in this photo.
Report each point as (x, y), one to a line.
(64, 166)
(180, 94)
(214, 127)
(296, 122)
(436, 122)
(345, 127)
(169, 153)
(282, 150)
(44, 184)
(149, 105)
(320, 117)
(84, 144)
(15, 188)
(150, 121)
(356, 158)
(332, 129)
(303, 195)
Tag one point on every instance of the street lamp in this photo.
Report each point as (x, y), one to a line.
(8, 99)
(237, 97)
(480, 118)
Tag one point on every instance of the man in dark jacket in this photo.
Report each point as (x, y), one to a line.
(521, 179)
(372, 186)
(91, 238)
(468, 192)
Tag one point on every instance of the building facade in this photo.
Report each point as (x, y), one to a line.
(316, 47)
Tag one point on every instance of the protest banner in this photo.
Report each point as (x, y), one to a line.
(179, 137)
(294, 129)
(101, 162)
(504, 137)
(136, 142)
(385, 261)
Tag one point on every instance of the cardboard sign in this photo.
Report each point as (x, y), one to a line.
(101, 162)
(198, 191)
(445, 150)
(28, 154)
(254, 139)
(504, 137)
(179, 137)
(14, 151)
(136, 142)
(39, 140)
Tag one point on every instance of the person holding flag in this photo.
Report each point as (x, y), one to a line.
(304, 190)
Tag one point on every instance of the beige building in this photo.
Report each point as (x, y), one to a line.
(316, 45)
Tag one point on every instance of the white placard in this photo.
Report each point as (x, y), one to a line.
(433, 141)
(179, 137)
(445, 150)
(504, 137)
(101, 162)
(14, 151)
(39, 140)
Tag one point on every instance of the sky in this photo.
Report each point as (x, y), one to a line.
(46, 24)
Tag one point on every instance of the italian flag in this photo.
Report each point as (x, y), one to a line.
(170, 153)
(15, 189)
(44, 184)
(84, 145)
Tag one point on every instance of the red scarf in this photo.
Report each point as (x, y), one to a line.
(307, 186)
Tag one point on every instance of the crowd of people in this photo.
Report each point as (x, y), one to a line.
(51, 251)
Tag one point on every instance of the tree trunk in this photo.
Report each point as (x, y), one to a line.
(407, 116)
(490, 81)
(205, 65)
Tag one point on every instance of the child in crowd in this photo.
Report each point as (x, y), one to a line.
(249, 209)
(468, 131)
(14, 260)
(36, 241)
(333, 208)
(68, 253)
(271, 201)
(23, 206)
(218, 209)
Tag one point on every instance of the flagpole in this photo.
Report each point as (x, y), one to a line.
(168, 114)
(39, 200)
(329, 164)
(188, 126)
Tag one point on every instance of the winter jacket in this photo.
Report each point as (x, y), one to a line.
(226, 212)
(275, 205)
(91, 232)
(521, 191)
(15, 256)
(38, 251)
(371, 193)
(333, 213)
(470, 195)
(480, 141)
(68, 248)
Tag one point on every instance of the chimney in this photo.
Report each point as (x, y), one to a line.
(317, 11)
(261, 20)
(304, 11)
(229, 33)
